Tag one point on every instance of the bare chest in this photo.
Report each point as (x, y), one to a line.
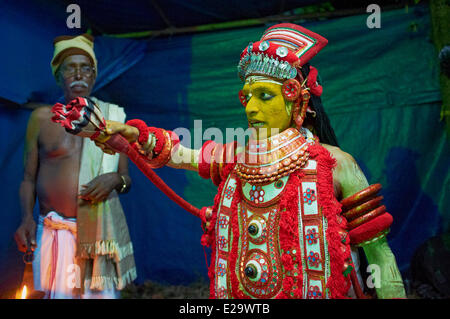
(56, 144)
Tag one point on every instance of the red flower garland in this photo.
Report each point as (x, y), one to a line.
(208, 238)
(339, 252)
(288, 236)
(143, 130)
(233, 256)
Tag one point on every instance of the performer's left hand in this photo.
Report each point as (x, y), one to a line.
(99, 188)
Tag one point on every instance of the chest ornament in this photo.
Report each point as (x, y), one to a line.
(268, 160)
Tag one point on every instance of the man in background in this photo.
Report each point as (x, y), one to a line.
(81, 243)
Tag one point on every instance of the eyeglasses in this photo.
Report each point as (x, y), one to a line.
(84, 70)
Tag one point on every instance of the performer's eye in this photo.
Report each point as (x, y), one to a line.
(265, 96)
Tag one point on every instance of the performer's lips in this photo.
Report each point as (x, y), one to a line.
(255, 123)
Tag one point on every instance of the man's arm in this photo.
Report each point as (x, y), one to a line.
(99, 188)
(350, 180)
(25, 235)
(122, 170)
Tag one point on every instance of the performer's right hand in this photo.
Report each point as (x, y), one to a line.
(130, 133)
(25, 235)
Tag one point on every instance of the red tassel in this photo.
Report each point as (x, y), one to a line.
(314, 87)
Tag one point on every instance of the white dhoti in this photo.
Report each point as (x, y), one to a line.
(54, 268)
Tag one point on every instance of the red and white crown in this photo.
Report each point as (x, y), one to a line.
(282, 49)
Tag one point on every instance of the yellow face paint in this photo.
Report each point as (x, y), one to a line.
(266, 108)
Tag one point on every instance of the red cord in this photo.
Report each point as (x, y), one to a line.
(119, 143)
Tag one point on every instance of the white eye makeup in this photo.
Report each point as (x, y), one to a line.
(265, 96)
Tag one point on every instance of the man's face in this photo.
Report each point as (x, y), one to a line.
(266, 108)
(76, 76)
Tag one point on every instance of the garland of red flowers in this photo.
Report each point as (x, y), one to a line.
(233, 255)
(339, 253)
(208, 238)
(288, 236)
(142, 128)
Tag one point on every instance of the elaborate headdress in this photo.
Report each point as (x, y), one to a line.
(282, 51)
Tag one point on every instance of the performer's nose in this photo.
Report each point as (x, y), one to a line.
(251, 109)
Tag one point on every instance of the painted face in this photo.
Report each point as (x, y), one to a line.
(76, 76)
(266, 108)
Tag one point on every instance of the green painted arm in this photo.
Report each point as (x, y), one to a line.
(351, 180)
(386, 277)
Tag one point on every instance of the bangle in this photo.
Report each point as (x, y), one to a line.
(371, 229)
(175, 140)
(124, 185)
(161, 159)
(148, 147)
(160, 139)
(204, 161)
(366, 217)
(214, 165)
(362, 209)
(361, 196)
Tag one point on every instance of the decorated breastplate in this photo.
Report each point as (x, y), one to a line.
(263, 263)
(267, 161)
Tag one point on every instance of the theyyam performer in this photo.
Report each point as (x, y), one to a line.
(291, 208)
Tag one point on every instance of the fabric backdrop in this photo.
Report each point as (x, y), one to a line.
(381, 92)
